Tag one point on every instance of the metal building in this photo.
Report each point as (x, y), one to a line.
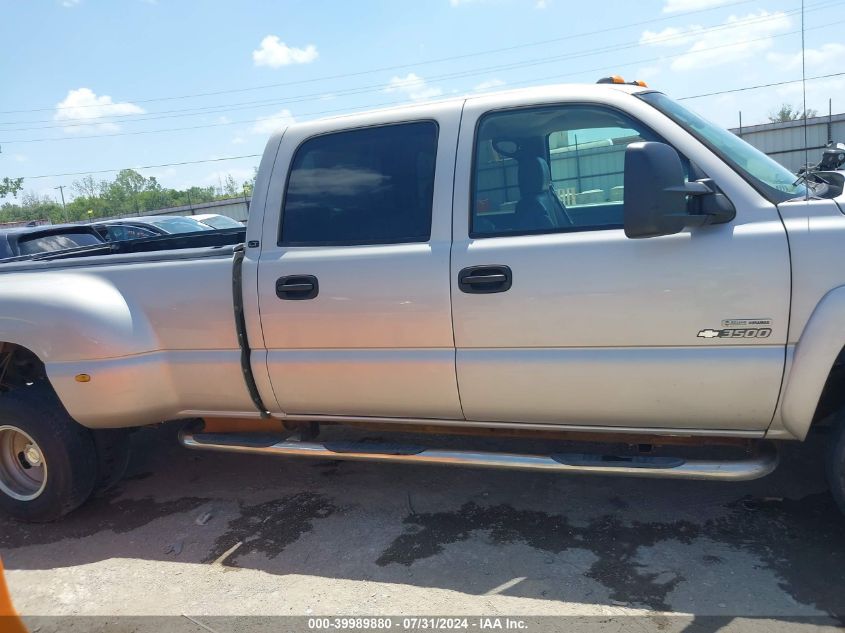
(236, 208)
(785, 141)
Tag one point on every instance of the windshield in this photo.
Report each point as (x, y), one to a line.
(180, 225)
(769, 177)
(222, 222)
(56, 242)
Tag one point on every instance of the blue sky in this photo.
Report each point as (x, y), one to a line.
(123, 71)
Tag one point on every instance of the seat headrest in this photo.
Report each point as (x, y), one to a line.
(533, 175)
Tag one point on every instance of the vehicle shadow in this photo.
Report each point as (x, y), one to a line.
(770, 548)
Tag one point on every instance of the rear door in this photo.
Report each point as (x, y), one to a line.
(561, 319)
(354, 268)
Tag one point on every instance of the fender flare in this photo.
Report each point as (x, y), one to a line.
(821, 341)
(70, 316)
(68, 319)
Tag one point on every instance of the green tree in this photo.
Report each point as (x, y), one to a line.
(788, 112)
(128, 193)
(230, 187)
(86, 187)
(10, 186)
(122, 194)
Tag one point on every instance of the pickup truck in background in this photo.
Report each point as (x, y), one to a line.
(592, 267)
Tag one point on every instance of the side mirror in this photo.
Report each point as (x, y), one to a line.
(656, 194)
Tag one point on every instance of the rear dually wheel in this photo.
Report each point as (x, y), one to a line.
(48, 461)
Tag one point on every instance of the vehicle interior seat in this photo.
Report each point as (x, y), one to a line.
(538, 207)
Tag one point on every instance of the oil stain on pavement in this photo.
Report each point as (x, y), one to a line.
(774, 531)
(267, 528)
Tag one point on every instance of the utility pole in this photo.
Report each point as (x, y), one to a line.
(61, 189)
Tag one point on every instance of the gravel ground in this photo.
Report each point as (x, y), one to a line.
(196, 535)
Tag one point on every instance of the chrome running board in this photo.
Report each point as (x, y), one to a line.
(758, 464)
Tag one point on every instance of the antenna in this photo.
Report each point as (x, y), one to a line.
(804, 94)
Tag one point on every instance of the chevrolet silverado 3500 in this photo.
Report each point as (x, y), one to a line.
(586, 263)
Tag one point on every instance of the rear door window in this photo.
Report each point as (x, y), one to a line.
(366, 186)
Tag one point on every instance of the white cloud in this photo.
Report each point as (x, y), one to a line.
(819, 59)
(414, 87)
(674, 6)
(541, 4)
(275, 53)
(273, 123)
(83, 105)
(223, 120)
(488, 85)
(69, 4)
(238, 140)
(736, 39)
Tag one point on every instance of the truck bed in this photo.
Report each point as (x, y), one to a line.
(106, 253)
(153, 325)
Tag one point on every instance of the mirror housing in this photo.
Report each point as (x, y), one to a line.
(656, 194)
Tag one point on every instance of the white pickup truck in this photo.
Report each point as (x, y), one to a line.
(585, 263)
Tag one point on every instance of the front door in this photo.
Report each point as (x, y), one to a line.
(564, 320)
(354, 294)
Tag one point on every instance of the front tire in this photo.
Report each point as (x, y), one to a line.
(48, 461)
(836, 464)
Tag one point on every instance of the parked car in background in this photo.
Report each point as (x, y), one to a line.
(26, 241)
(147, 226)
(217, 221)
(119, 232)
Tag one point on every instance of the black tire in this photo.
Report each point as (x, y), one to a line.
(836, 464)
(66, 448)
(113, 450)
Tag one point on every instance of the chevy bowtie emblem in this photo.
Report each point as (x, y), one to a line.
(709, 333)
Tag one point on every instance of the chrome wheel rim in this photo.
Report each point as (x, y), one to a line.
(23, 469)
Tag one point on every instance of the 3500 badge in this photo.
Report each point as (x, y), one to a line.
(740, 328)
(751, 332)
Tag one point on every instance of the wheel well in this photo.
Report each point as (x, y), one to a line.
(832, 398)
(19, 366)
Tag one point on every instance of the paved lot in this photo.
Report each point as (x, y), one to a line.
(207, 534)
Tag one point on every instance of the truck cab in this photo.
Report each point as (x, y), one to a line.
(470, 260)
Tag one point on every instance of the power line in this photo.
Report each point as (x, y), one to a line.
(770, 85)
(179, 113)
(229, 158)
(568, 37)
(109, 171)
(440, 78)
(402, 103)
